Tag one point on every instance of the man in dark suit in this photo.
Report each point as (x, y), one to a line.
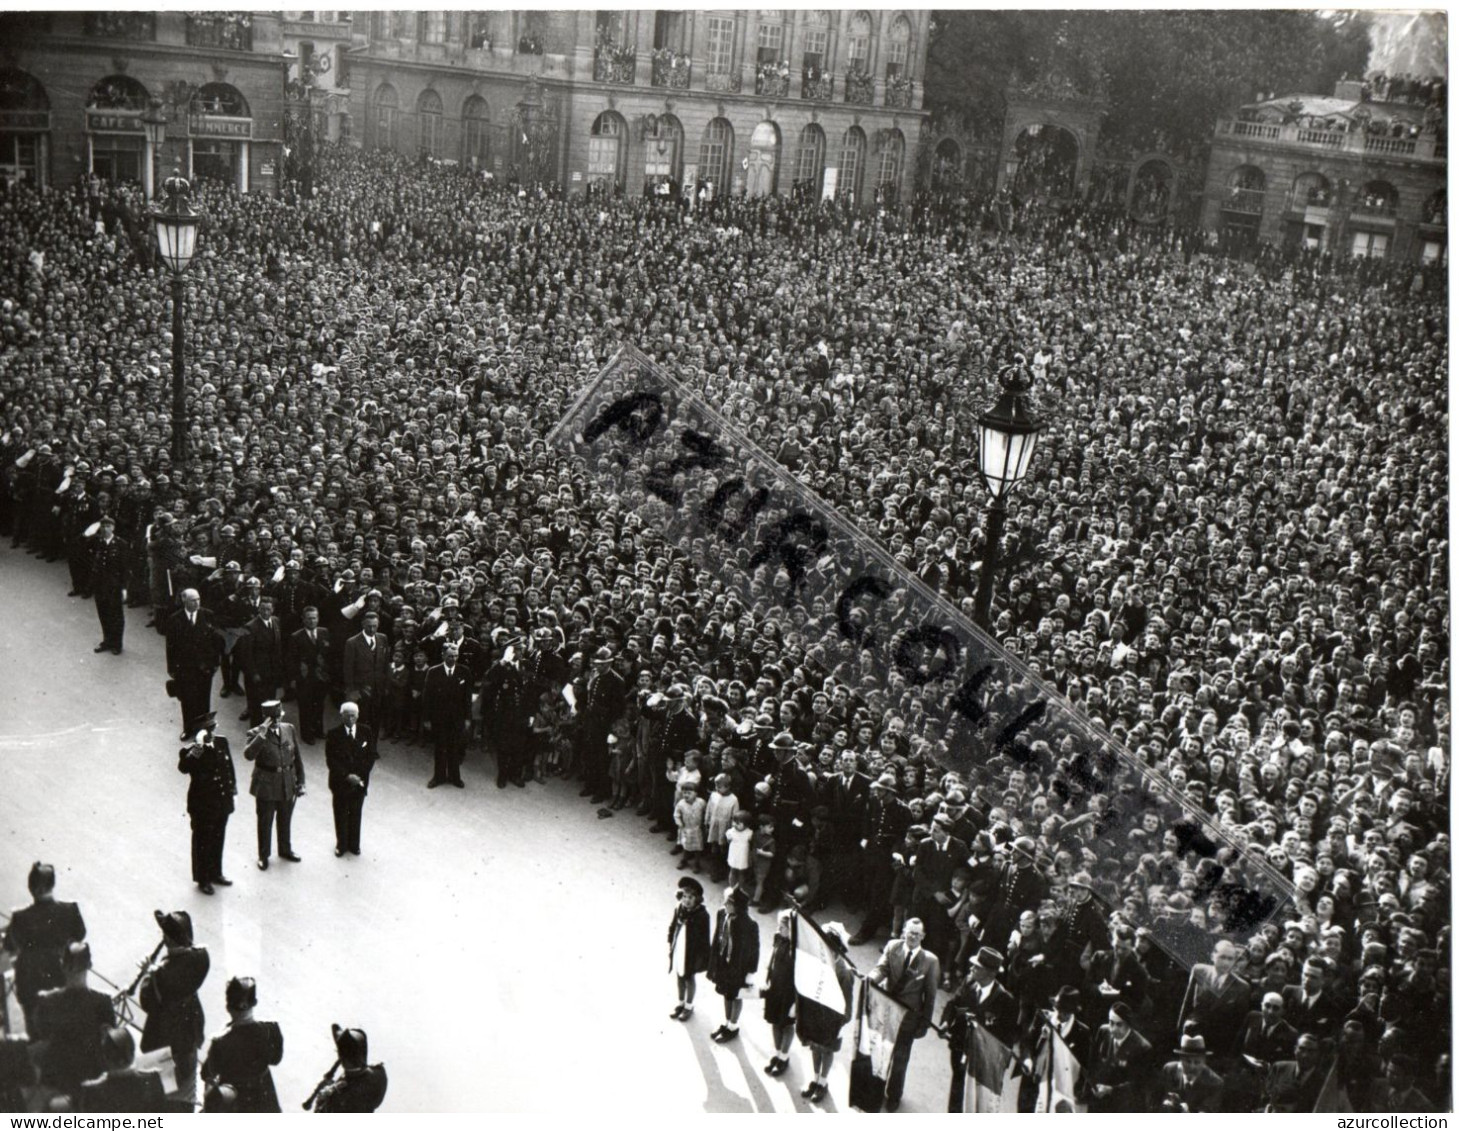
(1119, 1065)
(603, 703)
(909, 973)
(1266, 1035)
(1188, 1083)
(367, 669)
(278, 781)
(38, 936)
(307, 664)
(208, 762)
(169, 994)
(69, 1023)
(1217, 999)
(349, 753)
(194, 650)
(446, 704)
(122, 1087)
(1116, 974)
(1294, 1085)
(983, 999)
(937, 856)
(845, 792)
(506, 711)
(109, 585)
(884, 824)
(1310, 1007)
(261, 656)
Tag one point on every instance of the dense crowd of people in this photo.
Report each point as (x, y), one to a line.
(1231, 551)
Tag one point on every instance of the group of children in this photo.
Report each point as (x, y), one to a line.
(718, 829)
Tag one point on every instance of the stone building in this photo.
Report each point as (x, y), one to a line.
(769, 101)
(316, 51)
(1342, 174)
(77, 90)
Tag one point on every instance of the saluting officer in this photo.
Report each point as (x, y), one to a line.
(362, 1087)
(109, 585)
(278, 780)
(208, 762)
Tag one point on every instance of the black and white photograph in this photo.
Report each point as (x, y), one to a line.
(607, 562)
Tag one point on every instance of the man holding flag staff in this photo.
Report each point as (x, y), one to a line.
(910, 974)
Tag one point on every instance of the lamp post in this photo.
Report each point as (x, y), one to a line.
(154, 122)
(177, 235)
(1007, 435)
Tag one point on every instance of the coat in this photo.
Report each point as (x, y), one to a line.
(693, 926)
(1124, 1067)
(343, 757)
(38, 936)
(193, 646)
(69, 1023)
(998, 1014)
(366, 670)
(1218, 1013)
(1201, 1092)
(214, 782)
(914, 984)
(357, 1092)
(109, 566)
(126, 1090)
(446, 699)
(261, 652)
(735, 954)
(780, 981)
(1269, 1044)
(308, 661)
(241, 1058)
(278, 772)
(169, 994)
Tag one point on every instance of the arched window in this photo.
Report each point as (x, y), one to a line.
(1311, 190)
(221, 99)
(1248, 178)
(853, 162)
(476, 131)
(663, 152)
(432, 122)
(22, 91)
(387, 113)
(898, 42)
(1377, 198)
(947, 164)
(606, 143)
(889, 168)
(118, 92)
(716, 152)
(22, 149)
(858, 43)
(810, 162)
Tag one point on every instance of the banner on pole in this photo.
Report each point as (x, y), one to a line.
(993, 1079)
(878, 1020)
(821, 1003)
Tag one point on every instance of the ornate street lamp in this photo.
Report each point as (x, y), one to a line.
(154, 122)
(177, 236)
(1007, 435)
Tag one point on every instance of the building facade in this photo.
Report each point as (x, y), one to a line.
(1339, 174)
(316, 51)
(763, 102)
(77, 88)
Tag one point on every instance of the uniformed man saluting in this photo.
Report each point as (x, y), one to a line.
(209, 763)
(362, 1087)
(278, 780)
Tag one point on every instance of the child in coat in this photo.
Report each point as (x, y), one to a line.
(689, 818)
(739, 853)
(764, 855)
(719, 815)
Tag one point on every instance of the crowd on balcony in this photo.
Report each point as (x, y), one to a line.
(529, 44)
(859, 85)
(772, 78)
(670, 68)
(613, 61)
(816, 83)
(1231, 552)
(1415, 90)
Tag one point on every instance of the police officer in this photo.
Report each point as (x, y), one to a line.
(169, 995)
(208, 762)
(361, 1089)
(108, 585)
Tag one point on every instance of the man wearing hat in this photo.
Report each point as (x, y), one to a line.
(108, 572)
(194, 651)
(212, 785)
(123, 1087)
(446, 703)
(506, 712)
(909, 973)
(981, 998)
(278, 780)
(241, 1057)
(688, 943)
(674, 733)
(886, 822)
(350, 752)
(1020, 887)
(38, 936)
(1187, 1082)
(69, 1024)
(169, 995)
(361, 1088)
(603, 702)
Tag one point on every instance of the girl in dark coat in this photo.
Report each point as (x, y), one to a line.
(780, 993)
(733, 959)
(688, 944)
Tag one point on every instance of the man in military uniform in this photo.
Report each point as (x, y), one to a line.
(886, 823)
(233, 619)
(78, 511)
(209, 763)
(122, 1087)
(240, 1058)
(38, 936)
(278, 780)
(169, 995)
(69, 1023)
(676, 735)
(362, 1087)
(194, 649)
(1020, 887)
(108, 586)
(291, 596)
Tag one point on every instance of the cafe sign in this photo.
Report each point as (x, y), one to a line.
(113, 122)
(25, 120)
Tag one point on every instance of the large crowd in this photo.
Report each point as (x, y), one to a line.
(1231, 551)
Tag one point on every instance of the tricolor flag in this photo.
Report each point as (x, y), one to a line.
(821, 1008)
(993, 1080)
(877, 1023)
(1057, 1069)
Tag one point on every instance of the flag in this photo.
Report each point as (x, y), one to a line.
(1333, 1097)
(993, 1081)
(878, 1021)
(1058, 1071)
(820, 1002)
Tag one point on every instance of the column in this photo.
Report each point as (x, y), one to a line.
(244, 147)
(149, 156)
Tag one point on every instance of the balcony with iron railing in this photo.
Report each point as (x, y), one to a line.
(615, 64)
(772, 80)
(1245, 200)
(670, 69)
(1309, 200)
(1427, 145)
(1375, 206)
(228, 31)
(816, 85)
(723, 82)
(859, 87)
(899, 91)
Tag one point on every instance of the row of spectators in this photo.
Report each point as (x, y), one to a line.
(1231, 550)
